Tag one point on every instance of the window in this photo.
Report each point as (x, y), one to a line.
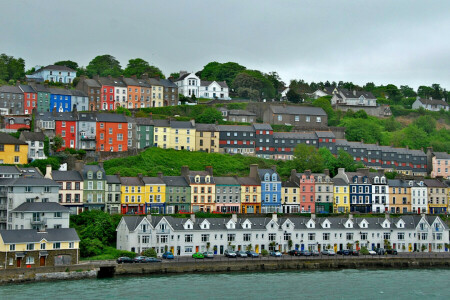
(56, 245)
(311, 236)
(30, 260)
(326, 236)
(188, 238)
(231, 237)
(247, 237)
(43, 246)
(30, 247)
(349, 236)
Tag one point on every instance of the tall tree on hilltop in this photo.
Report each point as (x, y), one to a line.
(104, 65)
(138, 66)
(221, 72)
(11, 68)
(68, 63)
(293, 96)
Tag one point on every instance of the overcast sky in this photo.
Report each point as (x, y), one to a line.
(384, 41)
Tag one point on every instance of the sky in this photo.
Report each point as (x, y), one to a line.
(381, 41)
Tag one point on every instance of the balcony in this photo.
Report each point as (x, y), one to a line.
(3, 206)
(38, 221)
(162, 231)
(3, 219)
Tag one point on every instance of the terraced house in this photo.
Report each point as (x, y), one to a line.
(112, 194)
(155, 194)
(400, 195)
(178, 194)
(437, 195)
(203, 188)
(270, 188)
(250, 195)
(228, 195)
(12, 150)
(71, 188)
(94, 182)
(133, 195)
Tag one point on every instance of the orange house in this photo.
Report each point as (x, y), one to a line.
(134, 92)
(112, 132)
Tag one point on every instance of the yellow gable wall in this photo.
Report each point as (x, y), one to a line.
(9, 154)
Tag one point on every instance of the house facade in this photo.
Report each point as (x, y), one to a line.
(54, 73)
(35, 141)
(39, 216)
(430, 104)
(12, 150)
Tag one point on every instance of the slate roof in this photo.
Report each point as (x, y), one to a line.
(398, 183)
(27, 88)
(325, 134)
(30, 172)
(262, 126)
(183, 76)
(111, 117)
(175, 181)
(56, 91)
(262, 172)
(161, 123)
(339, 182)
(92, 83)
(6, 139)
(294, 135)
(87, 117)
(434, 183)
(433, 102)
(226, 181)
(10, 89)
(94, 169)
(205, 127)
(441, 155)
(202, 175)
(181, 125)
(248, 181)
(66, 176)
(298, 110)
(56, 68)
(33, 136)
(78, 93)
(168, 83)
(240, 112)
(131, 181)
(40, 88)
(356, 94)
(144, 121)
(234, 128)
(207, 83)
(152, 180)
(132, 222)
(289, 183)
(34, 236)
(112, 179)
(9, 170)
(41, 207)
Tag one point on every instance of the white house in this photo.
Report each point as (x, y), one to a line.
(353, 98)
(380, 192)
(53, 73)
(35, 141)
(184, 236)
(40, 216)
(430, 104)
(190, 84)
(419, 197)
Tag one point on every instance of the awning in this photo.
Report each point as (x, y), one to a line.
(43, 253)
(20, 254)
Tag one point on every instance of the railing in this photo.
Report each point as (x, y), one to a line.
(38, 221)
(3, 206)
(163, 231)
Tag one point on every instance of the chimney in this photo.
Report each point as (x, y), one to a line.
(363, 171)
(423, 215)
(341, 171)
(380, 172)
(109, 77)
(183, 73)
(193, 122)
(407, 147)
(350, 216)
(326, 172)
(140, 176)
(293, 176)
(193, 218)
(79, 165)
(308, 173)
(386, 216)
(313, 217)
(274, 168)
(100, 164)
(354, 92)
(144, 76)
(184, 171)
(209, 169)
(149, 218)
(253, 171)
(160, 175)
(275, 217)
(234, 218)
(48, 172)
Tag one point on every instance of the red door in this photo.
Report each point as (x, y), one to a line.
(19, 261)
(42, 261)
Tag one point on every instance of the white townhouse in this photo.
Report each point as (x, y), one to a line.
(184, 236)
(190, 84)
(380, 192)
(419, 197)
(35, 141)
(40, 216)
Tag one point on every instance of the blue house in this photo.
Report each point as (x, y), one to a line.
(54, 73)
(60, 100)
(360, 191)
(270, 188)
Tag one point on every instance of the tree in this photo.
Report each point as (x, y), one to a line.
(41, 164)
(362, 129)
(11, 68)
(90, 247)
(57, 143)
(138, 66)
(426, 123)
(150, 252)
(346, 161)
(276, 81)
(329, 160)
(325, 104)
(249, 247)
(248, 93)
(264, 252)
(175, 75)
(290, 244)
(437, 91)
(293, 96)
(95, 224)
(407, 91)
(391, 124)
(68, 63)
(306, 157)
(209, 116)
(104, 65)
(221, 72)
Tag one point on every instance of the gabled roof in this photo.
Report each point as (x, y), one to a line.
(144, 121)
(235, 128)
(434, 183)
(262, 126)
(152, 180)
(27, 88)
(168, 83)
(92, 83)
(56, 91)
(66, 176)
(132, 222)
(112, 179)
(161, 123)
(41, 207)
(131, 181)
(175, 181)
(208, 83)
(6, 139)
(356, 94)
(433, 102)
(441, 155)
(94, 169)
(10, 89)
(226, 181)
(248, 181)
(56, 68)
(181, 125)
(111, 117)
(263, 172)
(34, 236)
(182, 77)
(298, 110)
(33, 136)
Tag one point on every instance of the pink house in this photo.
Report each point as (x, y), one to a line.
(441, 165)
(307, 192)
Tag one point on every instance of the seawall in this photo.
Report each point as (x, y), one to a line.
(102, 270)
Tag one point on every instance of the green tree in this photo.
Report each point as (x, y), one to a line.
(209, 116)
(276, 81)
(248, 93)
(91, 247)
(391, 124)
(325, 104)
(175, 75)
(221, 71)
(11, 68)
(362, 129)
(68, 63)
(293, 96)
(407, 91)
(104, 65)
(95, 224)
(138, 66)
(329, 160)
(306, 157)
(346, 161)
(426, 123)
(150, 252)
(57, 143)
(41, 164)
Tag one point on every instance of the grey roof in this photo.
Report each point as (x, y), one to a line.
(34, 236)
(132, 222)
(183, 76)
(56, 68)
(9, 170)
(339, 182)
(66, 176)
(298, 110)
(161, 123)
(262, 126)
(111, 117)
(94, 169)
(27, 88)
(433, 102)
(57, 91)
(92, 83)
(6, 139)
(441, 155)
(40, 88)
(205, 127)
(41, 207)
(168, 83)
(152, 180)
(33, 136)
(325, 134)
(112, 179)
(10, 89)
(434, 183)
(248, 181)
(144, 121)
(235, 128)
(207, 83)
(130, 81)
(78, 93)
(226, 180)
(240, 112)
(356, 94)
(131, 181)
(154, 81)
(87, 117)
(262, 172)
(175, 181)
(30, 172)
(181, 124)
(289, 183)
(294, 135)
(397, 183)
(32, 181)
(202, 175)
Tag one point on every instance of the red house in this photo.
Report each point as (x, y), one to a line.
(29, 98)
(307, 192)
(17, 122)
(107, 94)
(66, 127)
(111, 132)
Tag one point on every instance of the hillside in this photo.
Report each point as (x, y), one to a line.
(169, 162)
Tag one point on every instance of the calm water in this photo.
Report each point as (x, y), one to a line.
(345, 284)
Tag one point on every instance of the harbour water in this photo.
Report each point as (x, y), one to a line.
(344, 284)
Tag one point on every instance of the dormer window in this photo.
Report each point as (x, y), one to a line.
(197, 179)
(355, 179)
(207, 179)
(376, 180)
(89, 175)
(99, 175)
(287, 225)
(274, 177)
(383, 180)
(272, 225)
(267, 177)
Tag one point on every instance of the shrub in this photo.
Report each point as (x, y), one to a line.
(149, 252)
(364, 251)
(121, 253)
(264, 252)
(90, 247)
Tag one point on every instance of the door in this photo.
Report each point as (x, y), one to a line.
(302, 247)
(172, 250)
(221, 249)
(257, 248)
(42, 261)
(215, 249)
(196, 248)
(178, 250)
(19, 262)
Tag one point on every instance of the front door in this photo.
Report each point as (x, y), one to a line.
(19, 261)
(196, 248)
(257, 248)
(221, 249)
(42, 261)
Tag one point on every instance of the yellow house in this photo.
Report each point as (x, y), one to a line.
(250, 195)
(157, 96)
(12, 150)
(28, 248)
(203, 189)
(341, 196)
(132, 195)
(206, 138)
(155, 194)
(182, 135)
(161, 134)
(290, 197)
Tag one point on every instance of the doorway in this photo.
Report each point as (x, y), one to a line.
(19, 262)
(42, 261)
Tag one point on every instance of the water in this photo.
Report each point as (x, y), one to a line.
(345, 284)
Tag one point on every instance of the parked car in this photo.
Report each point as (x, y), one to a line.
(371, 252)
(168, 255)
(305, 253)
(276, 253)
(139, 259)
(345, 252)
(315, 253)
(124, 260)
(331, 253)
(294, 253)
(354, 252)
(208, 254)
(230, 254)
(325, 252)
(241, 253)
(151, 260)
(380, 251)
(198, 255)
(392, 251)
(252, 254)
